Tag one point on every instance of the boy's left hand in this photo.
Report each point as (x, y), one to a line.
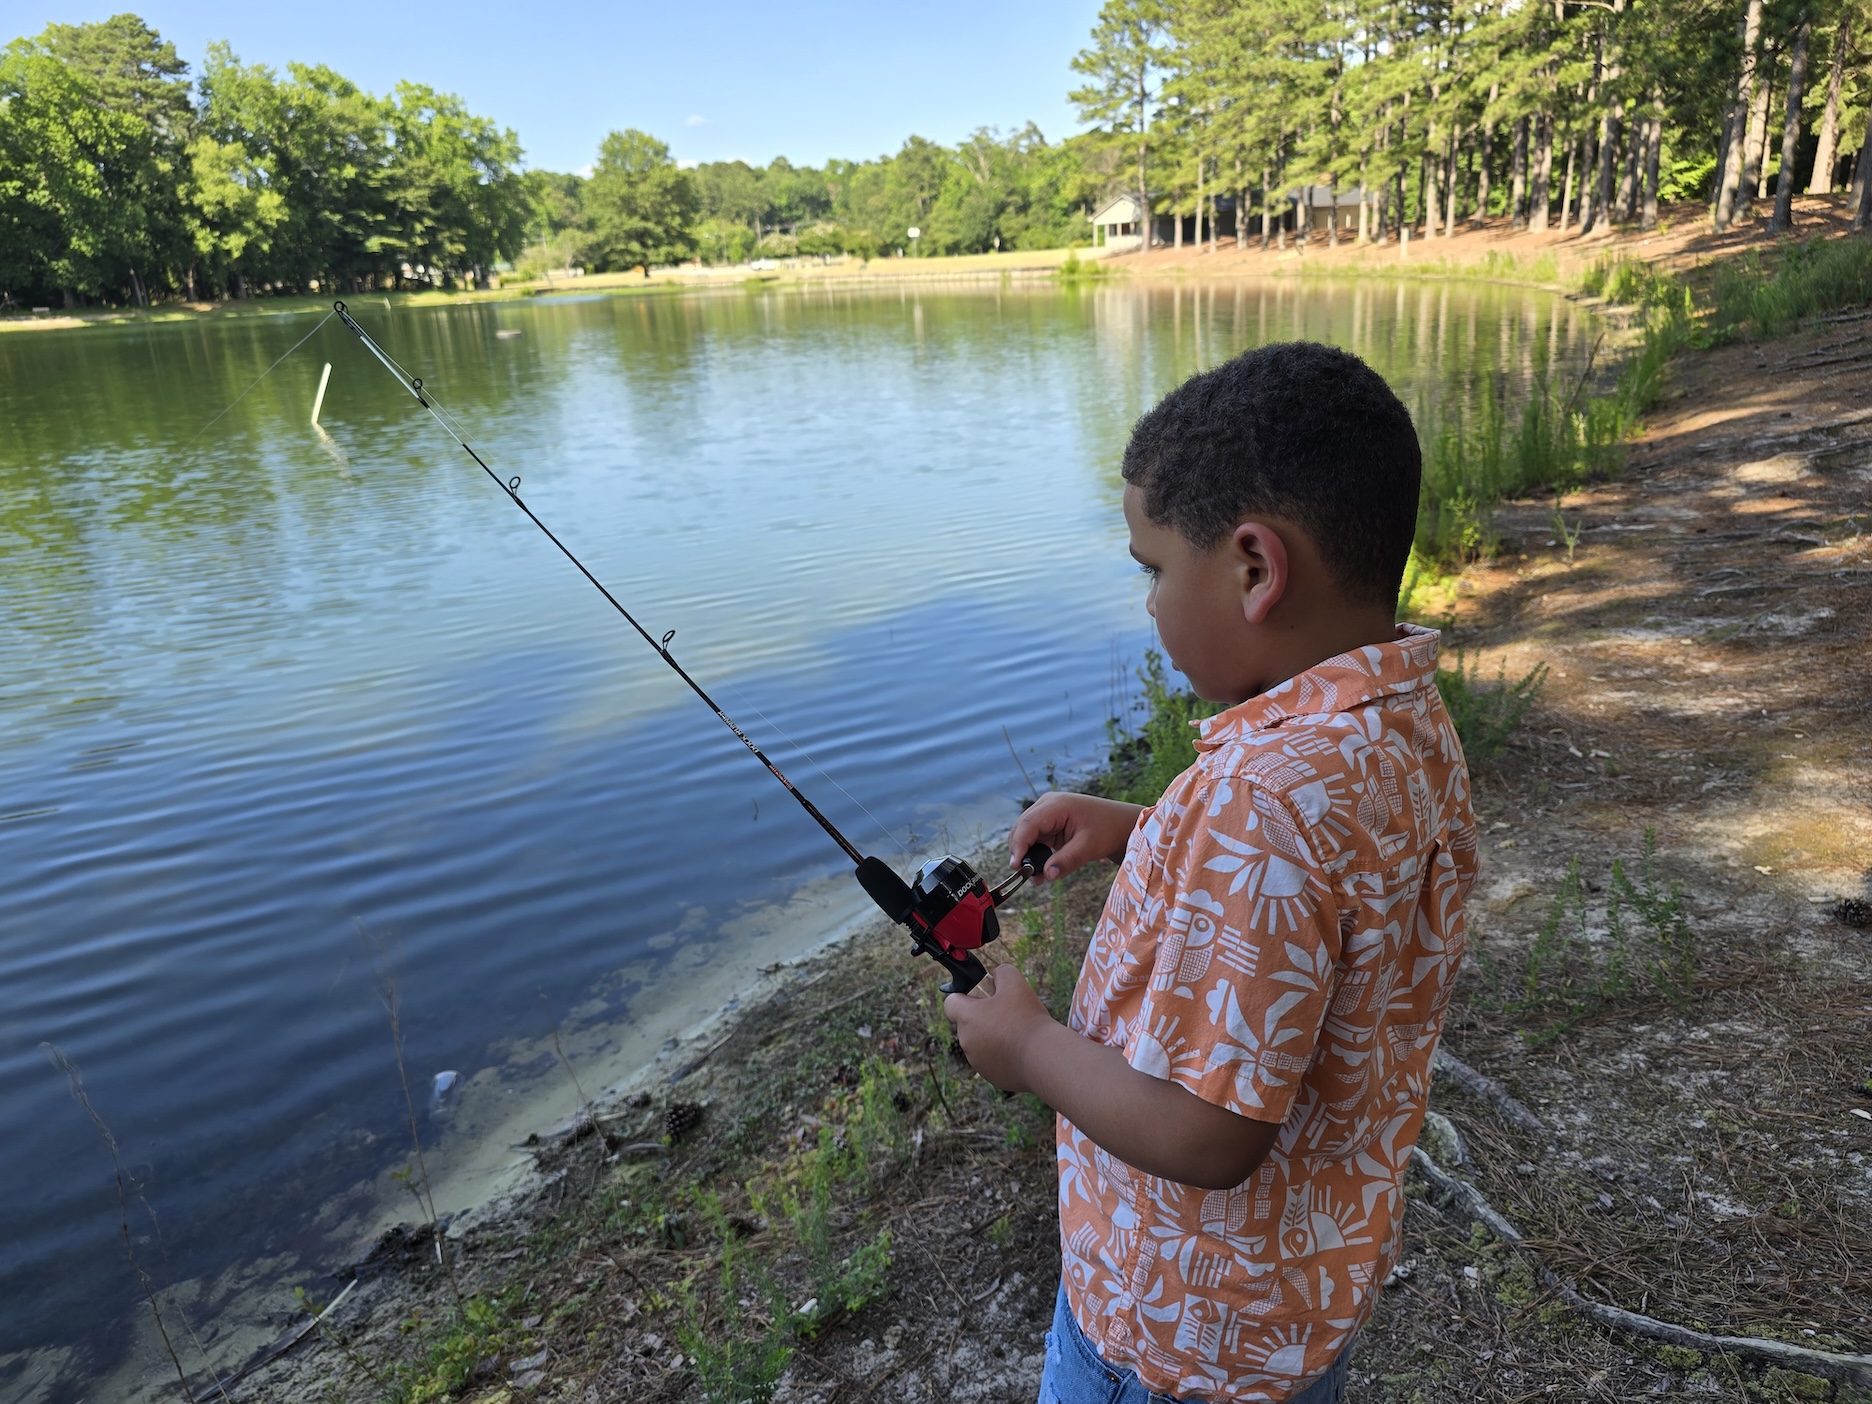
(996, 1025)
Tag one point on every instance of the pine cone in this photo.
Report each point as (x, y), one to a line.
(680, 1119)
(1856, 912)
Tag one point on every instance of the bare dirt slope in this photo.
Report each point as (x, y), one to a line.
(1704, 1142)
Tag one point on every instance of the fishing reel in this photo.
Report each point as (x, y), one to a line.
(949, 909)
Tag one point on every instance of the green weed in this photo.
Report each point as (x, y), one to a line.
(481, 1330)
(1486, 714)
(1144, 762)
(1806, 279)
(1573, 970)
(806, 1199)
(742, 1361)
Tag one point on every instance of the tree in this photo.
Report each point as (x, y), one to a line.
(1121, 63)
(640, 205)
(66, 162)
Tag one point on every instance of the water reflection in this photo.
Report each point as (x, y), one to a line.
(259, 687)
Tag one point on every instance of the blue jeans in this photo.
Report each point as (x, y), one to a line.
(1076, 1374)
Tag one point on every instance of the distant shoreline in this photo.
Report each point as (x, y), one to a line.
(1492, 252)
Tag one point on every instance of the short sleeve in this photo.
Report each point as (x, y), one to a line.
(1243, 974)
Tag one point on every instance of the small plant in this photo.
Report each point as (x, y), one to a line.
(808, 1204)
(1001, 1232)
(479, 1331)
(1485, 715)
(1574, 969)
(742, 1361)
(879, 1131)
(1565, 535)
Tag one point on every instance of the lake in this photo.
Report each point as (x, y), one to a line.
(285, 717)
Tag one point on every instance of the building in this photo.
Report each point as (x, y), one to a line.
(1118, 224)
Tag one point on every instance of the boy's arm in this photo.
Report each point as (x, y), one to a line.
(1147, 1122)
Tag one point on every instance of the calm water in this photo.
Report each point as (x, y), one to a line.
(261, 688)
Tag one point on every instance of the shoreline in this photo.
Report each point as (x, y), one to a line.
(1490, 252)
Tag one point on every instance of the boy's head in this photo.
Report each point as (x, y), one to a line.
(1274, 499)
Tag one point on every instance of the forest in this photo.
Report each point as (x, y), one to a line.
(125, 180)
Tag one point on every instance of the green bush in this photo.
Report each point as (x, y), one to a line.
(1486, 714)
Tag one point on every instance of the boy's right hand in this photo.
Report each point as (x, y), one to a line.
(1078, 828)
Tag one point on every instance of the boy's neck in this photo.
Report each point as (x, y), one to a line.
(1293, 645)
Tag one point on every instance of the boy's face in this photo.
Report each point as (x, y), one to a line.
(1209, 605)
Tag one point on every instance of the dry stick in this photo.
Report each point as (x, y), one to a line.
(1032, 789)
(599, 1133)
(315, 1320)
(1856, 1369)
(387, 991)
(70, 1069)
(1488, 1090)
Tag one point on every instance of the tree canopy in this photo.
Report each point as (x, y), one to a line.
(121, 180)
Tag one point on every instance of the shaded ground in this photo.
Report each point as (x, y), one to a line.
(1708, 1156)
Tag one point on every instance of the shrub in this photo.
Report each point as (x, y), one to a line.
(1486, 714)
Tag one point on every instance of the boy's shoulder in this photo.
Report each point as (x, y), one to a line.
(1355, 755)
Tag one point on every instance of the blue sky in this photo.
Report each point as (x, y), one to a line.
(731, 79)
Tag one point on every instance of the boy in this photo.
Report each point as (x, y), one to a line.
(1246, 1063)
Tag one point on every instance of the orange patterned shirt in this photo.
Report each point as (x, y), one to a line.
(1281, 940)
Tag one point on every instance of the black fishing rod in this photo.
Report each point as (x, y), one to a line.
(949, 910)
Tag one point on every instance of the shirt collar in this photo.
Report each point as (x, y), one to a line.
(1338, 684)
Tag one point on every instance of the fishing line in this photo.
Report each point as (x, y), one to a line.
(511, 486)
(262, 376)
(807, 756)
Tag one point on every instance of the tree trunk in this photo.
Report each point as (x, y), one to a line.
(1517, 177)
(1599, 207)
(1566, 190)
(1452, 189)
(1540, 197)
(1654, 139)
(1783, 218)
(1267, 208)
(1627, 201)
(1486, 141)
(1588, 179)
(1826, 152)
(1862, 181)
(1755, 141)
(1428, 182)
(1730, 184)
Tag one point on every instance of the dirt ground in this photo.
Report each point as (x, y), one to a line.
(1682, 240)
(1703, 1158)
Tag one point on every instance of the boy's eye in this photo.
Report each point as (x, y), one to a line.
(1149, 570)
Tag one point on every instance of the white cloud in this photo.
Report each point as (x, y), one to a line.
(694, 121)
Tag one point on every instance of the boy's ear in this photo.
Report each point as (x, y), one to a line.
(1262, 566)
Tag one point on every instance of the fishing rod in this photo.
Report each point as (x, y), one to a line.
(949, 910)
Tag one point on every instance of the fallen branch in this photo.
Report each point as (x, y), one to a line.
(298, 1335)
(1851, 1369)
(1489, 1090)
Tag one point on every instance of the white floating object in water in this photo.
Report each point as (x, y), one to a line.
(443, 1081)
(506, 335)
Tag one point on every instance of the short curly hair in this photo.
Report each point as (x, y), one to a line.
(1296, 430)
